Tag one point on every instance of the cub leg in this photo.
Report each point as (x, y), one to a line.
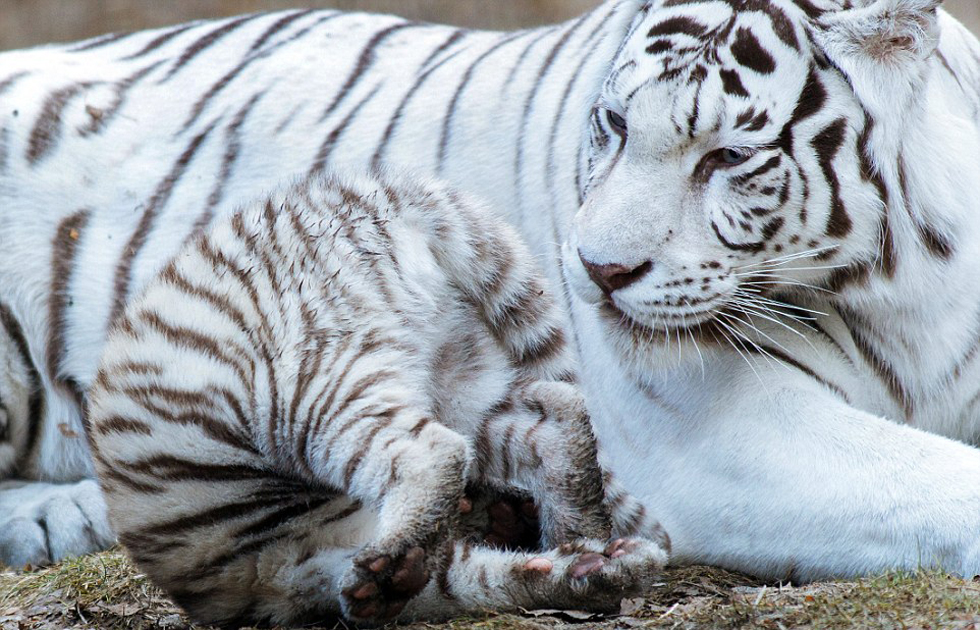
(412, 470)
(541, 443)
(588, 574)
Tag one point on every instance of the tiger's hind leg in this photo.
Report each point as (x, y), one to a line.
(412, 471)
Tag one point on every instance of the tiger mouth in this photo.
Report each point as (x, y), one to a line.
(663, 326)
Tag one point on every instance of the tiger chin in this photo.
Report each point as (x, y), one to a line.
(285, 422)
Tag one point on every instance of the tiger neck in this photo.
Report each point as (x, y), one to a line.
(916, 310)
(535, 123)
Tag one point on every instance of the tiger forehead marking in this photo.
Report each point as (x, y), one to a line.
(750, 145)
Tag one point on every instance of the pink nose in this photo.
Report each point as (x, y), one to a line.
(613, 277)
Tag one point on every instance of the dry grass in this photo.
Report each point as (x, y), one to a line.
(105, 591)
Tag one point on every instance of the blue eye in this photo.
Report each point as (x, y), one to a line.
(732, 157)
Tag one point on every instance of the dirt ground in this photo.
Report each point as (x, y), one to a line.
(105, 591)
(30, 22)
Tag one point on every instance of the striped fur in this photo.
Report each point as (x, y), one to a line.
(286, 419)
(193, 120)
(804, 434)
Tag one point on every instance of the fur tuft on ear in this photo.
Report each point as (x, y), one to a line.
(883, 48)
(892, 32)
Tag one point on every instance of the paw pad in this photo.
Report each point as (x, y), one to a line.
(384, 584)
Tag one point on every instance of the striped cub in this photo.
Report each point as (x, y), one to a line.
(286, 421)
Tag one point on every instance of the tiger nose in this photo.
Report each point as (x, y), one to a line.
(613, 277)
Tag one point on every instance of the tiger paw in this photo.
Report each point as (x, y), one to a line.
(513, 523)
(41, 523)
(379, 585)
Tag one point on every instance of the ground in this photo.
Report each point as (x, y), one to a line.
(106, 591)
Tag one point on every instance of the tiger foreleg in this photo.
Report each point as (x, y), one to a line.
(41, 523)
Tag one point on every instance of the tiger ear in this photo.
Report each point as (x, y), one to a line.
(882, 32)
(882, 47)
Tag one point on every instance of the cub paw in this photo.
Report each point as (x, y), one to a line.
(379, 585)
(513, 524)
(595, 575)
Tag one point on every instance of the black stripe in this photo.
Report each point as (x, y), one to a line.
(739, 247)
(464, 82)
(124, 267)
(749, 52)
(4, 425)
(811, 100)
(4, 148)
(10, 81)
(827, 143)
(323, 155)
(232, 74)
(100, 118)
(732, 83)
(769, 165)
(47, 128)
(560, 118)
(35, 406)
(232, 150)
(543, 72)
(396, 117)
(936, 243)
(882, 368)
(98, 42)
(678, 25)
(64, 249)
(158, 41)
(277, 26)
(761, 349)
(888, 256)
(364, 62)
(205, 42)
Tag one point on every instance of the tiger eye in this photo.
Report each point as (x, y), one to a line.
(617, 122)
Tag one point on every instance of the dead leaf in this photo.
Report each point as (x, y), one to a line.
(631, 606)
(126, 609)
(571, 615)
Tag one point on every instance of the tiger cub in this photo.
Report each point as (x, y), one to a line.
(285, 422)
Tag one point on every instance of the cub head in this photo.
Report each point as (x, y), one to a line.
(731, 156)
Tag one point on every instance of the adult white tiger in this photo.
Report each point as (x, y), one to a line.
(728, 133)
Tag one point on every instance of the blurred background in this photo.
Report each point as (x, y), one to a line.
(29, 22)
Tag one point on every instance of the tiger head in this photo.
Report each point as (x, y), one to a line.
(732, 154)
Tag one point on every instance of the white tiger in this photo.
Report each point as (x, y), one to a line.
(761, 139)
